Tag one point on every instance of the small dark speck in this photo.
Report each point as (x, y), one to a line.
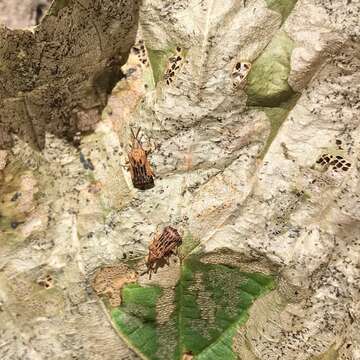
(130, 72)
(15, 224)
(16, 196)
(86, 162)
(82, 158)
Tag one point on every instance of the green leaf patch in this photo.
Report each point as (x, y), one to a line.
(200, 315)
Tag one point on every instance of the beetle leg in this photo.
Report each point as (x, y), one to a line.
(150, 269)
(149, 170)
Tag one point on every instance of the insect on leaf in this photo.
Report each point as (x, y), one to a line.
(141, 172)
(161, 248)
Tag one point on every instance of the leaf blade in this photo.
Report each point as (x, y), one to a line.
(211, 302)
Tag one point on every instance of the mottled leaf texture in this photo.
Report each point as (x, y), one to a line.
(56, 78)
(201, 315)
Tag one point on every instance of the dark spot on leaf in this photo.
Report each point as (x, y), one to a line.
(15, 224)
(16, 196)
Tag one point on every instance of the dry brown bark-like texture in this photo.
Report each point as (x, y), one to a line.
(56, 78)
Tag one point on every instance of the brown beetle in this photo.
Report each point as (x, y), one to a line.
(141, 172)
(161, 248)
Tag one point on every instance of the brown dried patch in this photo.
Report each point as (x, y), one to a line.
(109, 280)
(17, 193)
(95, 187)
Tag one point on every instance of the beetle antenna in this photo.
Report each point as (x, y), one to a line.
(132, 132)
(137, 134)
